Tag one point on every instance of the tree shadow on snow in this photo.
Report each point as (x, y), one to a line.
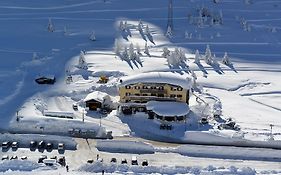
(143, 36)
(232, 67)
(150, 38)
(201, 67)
(217, 68)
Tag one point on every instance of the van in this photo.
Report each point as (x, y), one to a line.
(134, 160)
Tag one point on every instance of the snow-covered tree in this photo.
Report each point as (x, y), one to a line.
(65, 32)
(186, 35)
(125, 55)
(140, 27)
(208, 55)
(146, 50)
(194, 76)
(35, 56)
(51, 27)
(226, 60)
(92, 36)
(166, 52)
(214, 59)
(132, 54)
(197, 57)
(147, 30)
(121, 26)
(117, 47)
(82, 64)
(138, 49)
(172, 59)
(169, 32)
(181, 55)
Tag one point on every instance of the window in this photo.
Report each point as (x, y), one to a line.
(179, 96)
(144, 94)
(173, 88)
(137, 87)
(172, 95)
(137, 94)
(128, 94)
(153, 94)
(127, 87)
(145, 87)
(160, 95)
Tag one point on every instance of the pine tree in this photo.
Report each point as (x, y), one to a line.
(138, 49)
(226, 59)
(166, 52)
(197, 57)
(146, 50)
(50, 26)
(208, 55)
(132, 54)
(117, 47)
(35, 56)
(169, 32)
(186, 35)
(181, 56)
(65, 32)
(125, 54)
(82, 61)
(92, 36)
(121, 26)
(147, 31)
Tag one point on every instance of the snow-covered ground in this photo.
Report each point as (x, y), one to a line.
(249, 91)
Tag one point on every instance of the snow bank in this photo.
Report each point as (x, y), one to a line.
(97, 167)
(18, 165)
(120, 146)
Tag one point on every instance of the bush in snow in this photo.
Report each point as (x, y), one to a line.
(166, 52)
(51, 27)
(146, 50)
(226, 59)
(82, 64)
(197, 57)
(92, 36)
(208, 55)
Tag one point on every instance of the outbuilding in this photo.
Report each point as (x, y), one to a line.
(97, 100)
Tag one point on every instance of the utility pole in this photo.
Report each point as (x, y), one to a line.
(170, 15)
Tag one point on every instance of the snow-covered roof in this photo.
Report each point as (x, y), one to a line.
(158, 77)
(167, 108)
(96, 95)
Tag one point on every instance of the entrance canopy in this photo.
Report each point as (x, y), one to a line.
(168, 108)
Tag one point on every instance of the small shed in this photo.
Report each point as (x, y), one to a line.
(97, 100)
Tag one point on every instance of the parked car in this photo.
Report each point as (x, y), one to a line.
(49, 162)
(134, 160)
(144, 163)
(14, 157)
(41, 158)
(90, 161)
(124, 161)
(49, 146)
(23, 157)
(61, 160)
(33, 144)
(41, 145)
(5, 157)
(6, 145)
(53, 157)
(113, 160)
(75, 107)
(15, 145)
(61, 146)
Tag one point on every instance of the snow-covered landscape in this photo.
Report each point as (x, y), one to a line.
(189, 86)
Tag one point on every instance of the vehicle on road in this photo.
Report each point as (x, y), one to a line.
(6, 145)
(134, 160)
(41, 158)
(41, 145)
